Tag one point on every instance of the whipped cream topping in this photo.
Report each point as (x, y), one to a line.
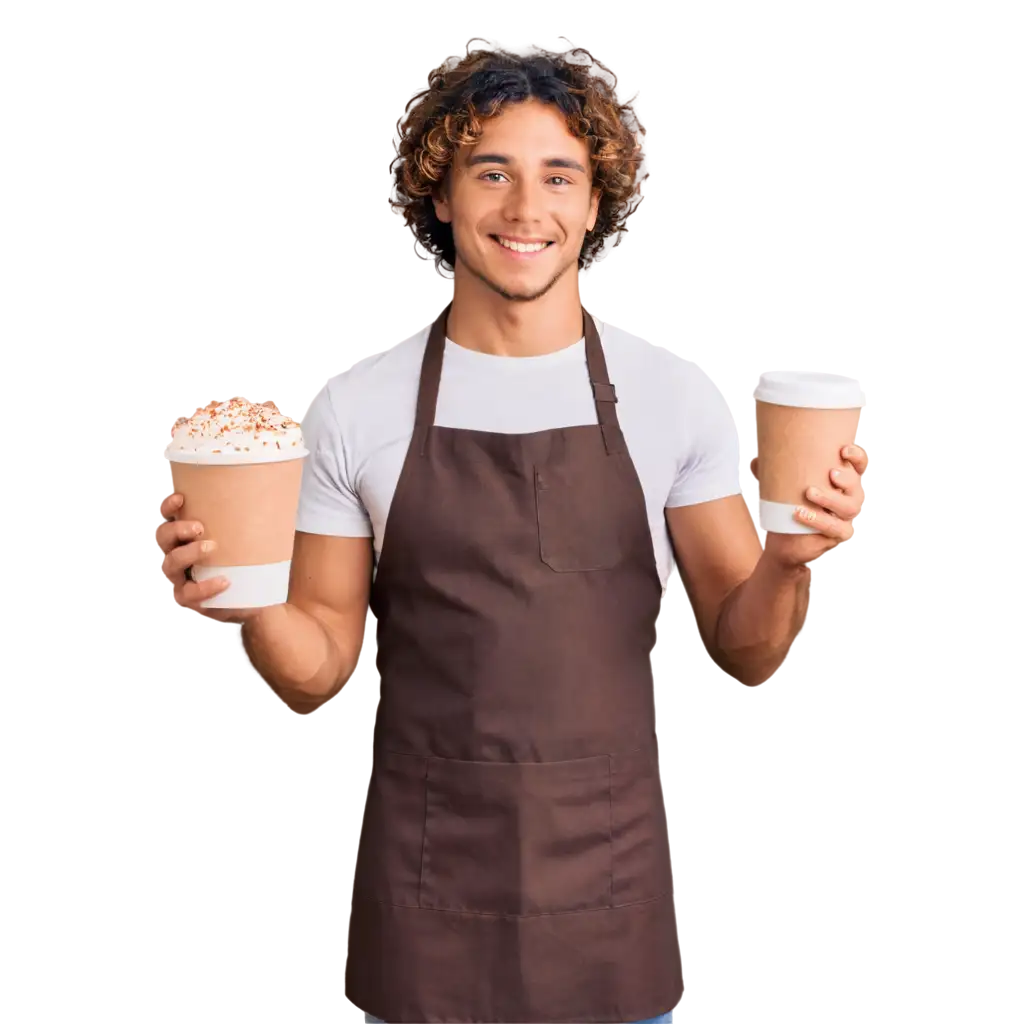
(235, 431)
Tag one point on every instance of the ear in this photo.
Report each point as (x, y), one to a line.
(442, 206)
(595, 203)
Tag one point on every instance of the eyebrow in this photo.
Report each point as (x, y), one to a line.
(498, 158)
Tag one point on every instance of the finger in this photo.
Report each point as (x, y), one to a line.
(856, 458)
(213, 616)
(170, 505)
(230, 614)
(207, 616)
(177, 531)
(190, 596)
(824, 522)
(837, 502)
(183, 557)
(220, 614)
(847, 480)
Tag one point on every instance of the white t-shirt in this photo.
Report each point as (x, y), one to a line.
(679, 430)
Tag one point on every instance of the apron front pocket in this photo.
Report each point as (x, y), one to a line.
(580, 516)
(517, 838)
(641, 864)
(391, 844)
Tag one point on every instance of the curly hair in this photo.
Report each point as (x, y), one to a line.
(464, 92)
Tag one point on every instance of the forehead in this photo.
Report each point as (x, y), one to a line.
(530, 128)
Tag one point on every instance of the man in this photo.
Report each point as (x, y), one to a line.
(507, 490)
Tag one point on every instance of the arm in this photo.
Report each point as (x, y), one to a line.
(308, 648)
(748, 608)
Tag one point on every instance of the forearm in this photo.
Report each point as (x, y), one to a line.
(296, 656)
(759, 621)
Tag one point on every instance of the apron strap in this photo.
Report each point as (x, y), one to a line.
(604, 390)
(430, 377)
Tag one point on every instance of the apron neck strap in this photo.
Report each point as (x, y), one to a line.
(604, 390)
(430, 372)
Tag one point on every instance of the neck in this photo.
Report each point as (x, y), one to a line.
(482, 320)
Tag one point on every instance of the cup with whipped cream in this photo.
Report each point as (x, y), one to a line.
(238, 465)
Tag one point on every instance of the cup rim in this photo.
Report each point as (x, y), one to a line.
(233, 458)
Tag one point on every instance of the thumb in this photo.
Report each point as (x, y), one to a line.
(753, 468)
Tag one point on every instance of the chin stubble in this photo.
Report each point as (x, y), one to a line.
(504, 293)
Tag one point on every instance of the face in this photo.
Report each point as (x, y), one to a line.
(526, 179)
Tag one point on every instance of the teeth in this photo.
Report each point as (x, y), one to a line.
(522, 246)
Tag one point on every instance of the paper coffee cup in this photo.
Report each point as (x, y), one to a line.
(247, 496)
(804, 419)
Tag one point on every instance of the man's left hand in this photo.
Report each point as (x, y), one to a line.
(831, 514)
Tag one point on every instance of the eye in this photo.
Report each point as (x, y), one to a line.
(490, 174)
(560, 178)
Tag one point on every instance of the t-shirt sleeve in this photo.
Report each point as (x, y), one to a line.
(328, 501)
(709, 445)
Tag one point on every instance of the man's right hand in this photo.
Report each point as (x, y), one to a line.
(181, 541)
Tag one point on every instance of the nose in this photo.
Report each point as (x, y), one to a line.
(523, 203)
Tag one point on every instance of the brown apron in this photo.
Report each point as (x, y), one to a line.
(514, 857)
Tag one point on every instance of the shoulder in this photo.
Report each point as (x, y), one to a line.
(377, 378)
(390, 363)
(660, 373)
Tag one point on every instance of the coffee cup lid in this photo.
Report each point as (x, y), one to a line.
(809, 390)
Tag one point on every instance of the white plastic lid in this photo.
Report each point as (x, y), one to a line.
(234, 458)
(809, 390)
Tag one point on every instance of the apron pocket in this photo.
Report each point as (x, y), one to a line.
(578, 517)
(517, 838)
(641, 865)
(391, 844)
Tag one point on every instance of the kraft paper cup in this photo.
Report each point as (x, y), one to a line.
(249, 509)
(804, 419)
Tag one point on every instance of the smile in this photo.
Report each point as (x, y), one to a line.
(521, 249)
